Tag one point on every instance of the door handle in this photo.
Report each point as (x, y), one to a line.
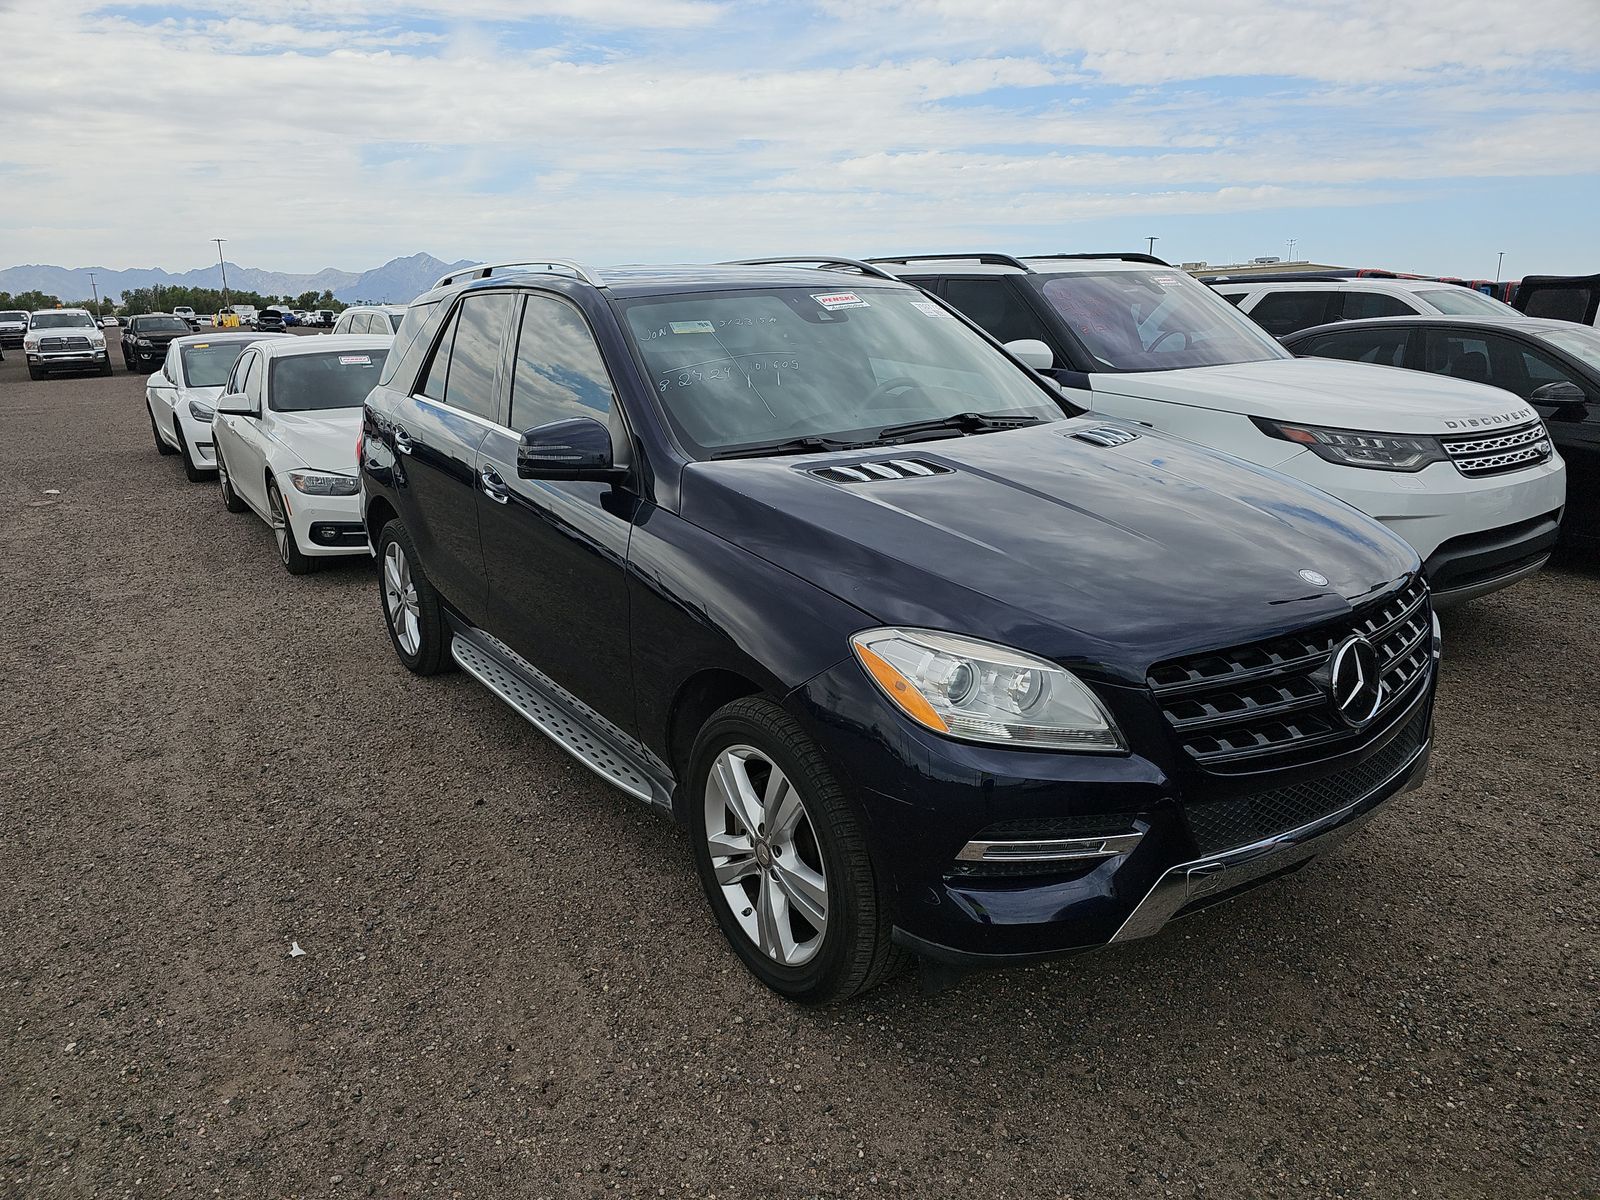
(493, 486)
(402, 440)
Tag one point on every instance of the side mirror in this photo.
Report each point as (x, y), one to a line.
(1562, 394)
(238, 404)
(577, 448)
(1032, 353)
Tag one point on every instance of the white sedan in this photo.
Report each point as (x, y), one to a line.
(182, 395)
(285, 434)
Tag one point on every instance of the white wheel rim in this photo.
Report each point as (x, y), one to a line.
(765, 855)
(400, 599)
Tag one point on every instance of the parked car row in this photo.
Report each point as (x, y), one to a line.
(971, 607)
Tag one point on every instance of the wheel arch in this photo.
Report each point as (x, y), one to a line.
(379, 512)
(702, 694)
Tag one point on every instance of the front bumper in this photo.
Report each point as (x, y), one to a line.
(928, 800)
(1432, 506)
(326, 525)
(72, 360)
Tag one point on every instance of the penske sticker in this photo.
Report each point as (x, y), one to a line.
(833, 300)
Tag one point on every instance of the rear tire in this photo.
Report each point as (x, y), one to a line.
(289, 553)
(809, 844)
(413, 613)
(155, 432)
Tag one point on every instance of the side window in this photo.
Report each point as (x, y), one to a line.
(254, 381)
(1374, 304)
(236, 376)
(480, 331)
(1386, 347)
(1234, 298)
(439, 369)
(559, 371)
(342, 325)
(994, 305)
(1289, 312)
(1459, 355)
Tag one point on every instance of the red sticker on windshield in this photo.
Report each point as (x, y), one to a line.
(832, 300)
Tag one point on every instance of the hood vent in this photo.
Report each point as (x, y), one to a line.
(1105, 435)
(873, 471)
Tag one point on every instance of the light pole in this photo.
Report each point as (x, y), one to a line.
(1292, 243)
(1152, 245)
(1497, 264)
(96, 292)
(224, 267)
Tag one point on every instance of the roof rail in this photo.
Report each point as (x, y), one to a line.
(1119, 255)
(821, 260)
(991, 260)
(1333, 276)
(484, 270)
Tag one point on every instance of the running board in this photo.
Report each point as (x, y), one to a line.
(560, 716)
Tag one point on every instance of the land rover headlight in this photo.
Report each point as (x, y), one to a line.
(1355, 448)
(323, 483)
(980, 692)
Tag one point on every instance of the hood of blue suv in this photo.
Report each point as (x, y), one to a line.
(1111, 558)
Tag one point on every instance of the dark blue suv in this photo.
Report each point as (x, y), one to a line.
(928, 659)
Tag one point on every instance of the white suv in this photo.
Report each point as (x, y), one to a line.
(371, 319)
(1465, 473)
(1285, 306)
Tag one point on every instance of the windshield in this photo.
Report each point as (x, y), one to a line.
(316, 382)
(52, 320)
(1464, 302)
(747, 368)
(160, 325)
(1155, 321)
(1583, 344)
(12, 316)
(207, 364)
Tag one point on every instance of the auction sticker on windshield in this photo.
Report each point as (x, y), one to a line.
(932, 309)
(832, 300)
(355, 360)
(693, 327)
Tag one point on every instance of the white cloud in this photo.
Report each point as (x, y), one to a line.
(315, 135)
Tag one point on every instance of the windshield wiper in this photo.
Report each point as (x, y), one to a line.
(799, 445)
(959, 423)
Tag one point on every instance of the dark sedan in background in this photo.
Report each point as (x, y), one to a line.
(145, 340)
(1554, 365)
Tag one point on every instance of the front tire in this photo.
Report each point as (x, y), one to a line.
(412, 610)
(34, 373)
(782, 855)
(230, 498)
(289, 553)
(155, 432)
(196, 474)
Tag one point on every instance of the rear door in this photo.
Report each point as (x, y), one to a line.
(556, 550)
(436, 432)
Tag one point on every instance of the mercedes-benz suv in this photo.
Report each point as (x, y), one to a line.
(928, 659)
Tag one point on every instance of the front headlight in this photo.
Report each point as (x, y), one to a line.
(141, 341)
(323, 483)
(981, 692)
(1353, 448)
(202, 412)
(30, 343)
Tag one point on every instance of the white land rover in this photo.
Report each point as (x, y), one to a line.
(1465, 473)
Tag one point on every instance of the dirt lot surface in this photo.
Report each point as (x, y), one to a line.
(512, 987)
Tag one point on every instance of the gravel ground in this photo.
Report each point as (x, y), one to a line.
(512, 986)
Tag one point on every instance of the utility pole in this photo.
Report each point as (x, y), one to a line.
(96, 292)
(1497, 264)
(1152, 243)
(224, 267)
(1293, 242)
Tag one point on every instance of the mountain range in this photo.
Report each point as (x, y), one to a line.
(396, 282)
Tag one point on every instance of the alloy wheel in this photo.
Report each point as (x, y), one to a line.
(280, 523)
(765, 855)
(400, 599)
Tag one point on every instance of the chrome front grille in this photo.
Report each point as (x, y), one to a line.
(1233, 708)
(1491, 453)
(61, 345)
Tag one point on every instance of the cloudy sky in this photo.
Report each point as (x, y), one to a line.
(315, 133)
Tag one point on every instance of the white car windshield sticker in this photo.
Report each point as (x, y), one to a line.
(929, 307)
(355, 360)
(832, 300)
(693, 327)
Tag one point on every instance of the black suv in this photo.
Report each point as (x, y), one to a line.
(927, 659)
(145, 340)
